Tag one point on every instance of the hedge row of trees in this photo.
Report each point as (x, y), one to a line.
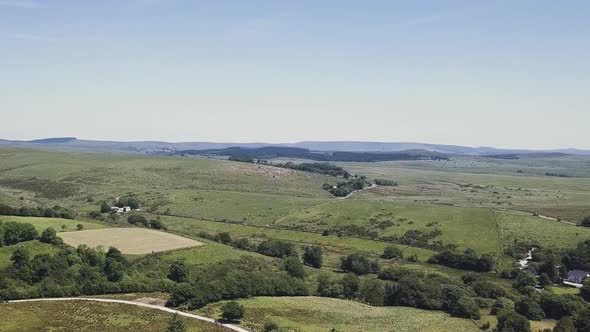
(320, 168)
(468, 260)
(53, 212)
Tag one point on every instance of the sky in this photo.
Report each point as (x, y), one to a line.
(512, 74)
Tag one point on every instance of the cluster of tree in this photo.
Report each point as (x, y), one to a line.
(236, 279)
(321, 168)
(130, 201)
(358, 264)
(138, 219)
(467, 260)
(387, 183)
(53, 212)
(276, 248)
(420, 239)
(343, 189)
(12, 233)
(579, 257)
(73, 272)
(351, 287)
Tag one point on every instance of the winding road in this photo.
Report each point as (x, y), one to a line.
(145, 305)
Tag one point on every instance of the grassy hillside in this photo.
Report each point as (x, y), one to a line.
(321, 314)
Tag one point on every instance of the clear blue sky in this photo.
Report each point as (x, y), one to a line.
(480, 73)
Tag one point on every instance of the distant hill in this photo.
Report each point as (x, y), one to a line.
(271, 152)
(158, 147)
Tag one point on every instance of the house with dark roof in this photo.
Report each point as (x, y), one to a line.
(576, 278)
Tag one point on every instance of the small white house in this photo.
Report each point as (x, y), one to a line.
(120, 210)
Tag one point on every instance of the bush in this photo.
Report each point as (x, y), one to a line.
(179, 272)
(294, 267)
(359, 264)
(276, 248)
(466, 307)
(586, 222)
(510, 321)
(105, 208)
(270, 326)
(137, 219)
(391, 252)
(232, 311)
(50, 236)
(313, 256)
(501, 304)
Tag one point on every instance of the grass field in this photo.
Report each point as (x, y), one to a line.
(321, 314)
(133, 241)
(56, 223)
(88, 316)
(526, 227)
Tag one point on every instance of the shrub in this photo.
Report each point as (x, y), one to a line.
(294, 267)
(232, 311)
(391, 252)
(359, 264)
(137, 219)
(270, 326)
(313, 256)
(50, 236)
(510, 321)
(276, 248)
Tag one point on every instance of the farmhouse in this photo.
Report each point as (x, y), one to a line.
(120, 210)
(576, 278)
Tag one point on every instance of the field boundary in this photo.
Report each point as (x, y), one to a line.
(145, 305)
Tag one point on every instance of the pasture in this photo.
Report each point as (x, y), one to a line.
(89, 316)
(322, 314)
(63, 225)
(132, 241)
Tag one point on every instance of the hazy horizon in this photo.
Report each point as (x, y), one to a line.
(501, 74)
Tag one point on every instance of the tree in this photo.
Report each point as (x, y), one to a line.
(116, 264)
(50, 236)
(585, 290)
(179, 272)
(105, 208)
(544, 280)
(276, 248)
(21, 261)
(586, 222)
(510, 321)
(391, 252)
(566, 324)
(313, 256)
(224, 237)
(294, 267)
(175, 324)
(359, 264)
(137, 219)
(232, 311)
(372, 291)
(465, 307)
(350, 285)
(529, 307)
(79, 227)
(524, 278)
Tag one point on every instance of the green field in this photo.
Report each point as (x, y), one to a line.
(322, 314)
(526, 227)
(89, 316)
(56, 223)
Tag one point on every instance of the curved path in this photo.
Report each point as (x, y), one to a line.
(152, 306)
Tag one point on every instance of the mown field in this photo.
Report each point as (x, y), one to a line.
(132, 241)
(89, 316)
(322, 314)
